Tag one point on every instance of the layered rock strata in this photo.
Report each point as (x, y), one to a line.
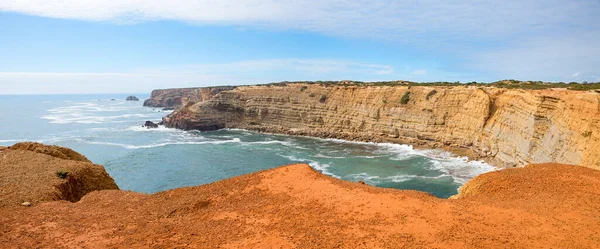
(172, 98)
(507, 127)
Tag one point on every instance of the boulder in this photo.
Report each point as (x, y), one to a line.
(132, 98)
(150, 124)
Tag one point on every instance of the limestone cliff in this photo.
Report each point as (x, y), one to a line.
(508, 127)
(176, 97)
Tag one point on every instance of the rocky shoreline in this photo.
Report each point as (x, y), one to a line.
(379, 138)
(504, 127)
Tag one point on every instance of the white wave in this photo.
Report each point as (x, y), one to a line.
(372, 179)
(322, 167)
(79, 118)
(161, 128)
(319, 155)
(286, 143)
(369, 157)
(133, 147)
(460, 168)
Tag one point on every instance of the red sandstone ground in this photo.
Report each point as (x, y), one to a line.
(28, 173)
(540, 206)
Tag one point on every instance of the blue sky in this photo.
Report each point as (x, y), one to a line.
(90, 46)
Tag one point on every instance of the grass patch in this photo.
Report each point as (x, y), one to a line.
(323, 98)
(430, 94)
(62, 174)
(405, 98)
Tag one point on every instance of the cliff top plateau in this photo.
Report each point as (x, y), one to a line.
(538, 206)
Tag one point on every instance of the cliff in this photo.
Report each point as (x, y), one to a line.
(172, 98)
(35, 173)
(507, 127)
(539, 206)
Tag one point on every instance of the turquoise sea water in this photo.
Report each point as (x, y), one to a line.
(110, 133)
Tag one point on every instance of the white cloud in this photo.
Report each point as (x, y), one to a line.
(551, 58)
(234, 73)
(406, 20)
(420, 72)
(528, 39)
(576, 75)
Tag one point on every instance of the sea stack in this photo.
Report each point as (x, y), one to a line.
(132, 98)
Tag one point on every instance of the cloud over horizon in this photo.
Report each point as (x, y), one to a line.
(529, 39)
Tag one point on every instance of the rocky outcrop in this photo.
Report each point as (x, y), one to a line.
(507, 127)
(132, 98)
(172, 98)
(35, 173)
(51, 150)
(150, 124)
(541, 206)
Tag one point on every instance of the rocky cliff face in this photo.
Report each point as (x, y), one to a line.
(508, 127)
(177, 97)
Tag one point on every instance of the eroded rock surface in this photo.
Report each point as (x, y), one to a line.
(172, 98)
(541, 206)
(35, 173)
(508, 127)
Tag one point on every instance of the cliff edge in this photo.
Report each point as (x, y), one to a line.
(34, 173)
(539, 206)
(507, 127)
(173, 98)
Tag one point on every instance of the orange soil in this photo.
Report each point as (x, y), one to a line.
(540, 206)
(28, 173)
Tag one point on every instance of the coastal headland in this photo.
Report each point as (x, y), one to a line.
(505, 126)
(294, 206)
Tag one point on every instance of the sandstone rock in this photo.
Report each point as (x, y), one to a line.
(521, 126)
(26, 204)
(551, 206)
(132, 98)
(172, 98)
(28, 171)
(51, 150)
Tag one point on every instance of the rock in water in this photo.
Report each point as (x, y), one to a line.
(150, 124)
(132, 98)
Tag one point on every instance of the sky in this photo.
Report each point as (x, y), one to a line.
(134, 46)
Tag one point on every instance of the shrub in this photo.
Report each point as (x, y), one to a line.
(303, 88)
(384, 101)
(323, 98)
(430, 94)
(311, 95)
(62, 174)
(405, 98)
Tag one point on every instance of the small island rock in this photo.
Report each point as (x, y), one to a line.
(132, 98)
(150, 124)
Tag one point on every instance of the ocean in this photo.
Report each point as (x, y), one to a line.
(110, 133)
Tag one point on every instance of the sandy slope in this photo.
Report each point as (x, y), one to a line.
(540, 206)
